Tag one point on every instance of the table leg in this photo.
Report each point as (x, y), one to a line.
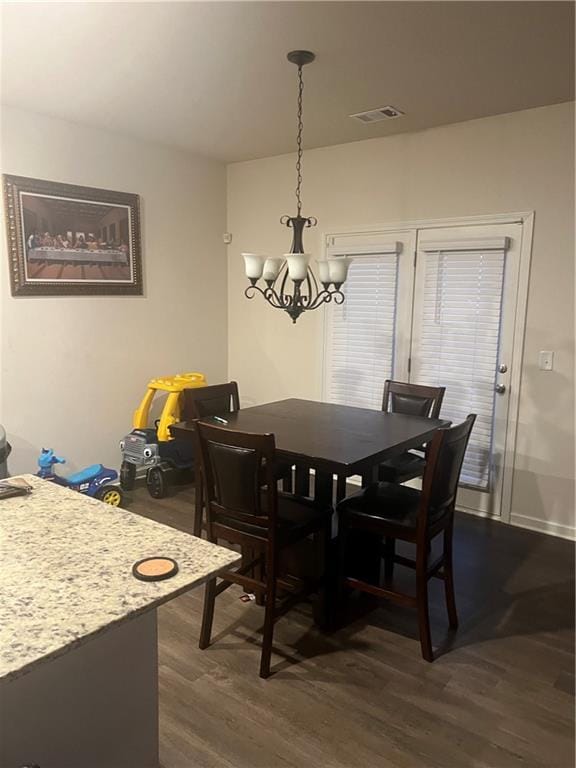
(302, 484)
(323, 488)
(340, 488)
(370, 475)
(287, 483)
(364, 550)
(325, 605)
(198, 504)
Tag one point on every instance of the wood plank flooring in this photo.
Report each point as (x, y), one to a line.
(501, 695)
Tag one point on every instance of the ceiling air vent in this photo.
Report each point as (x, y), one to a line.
(375, 115)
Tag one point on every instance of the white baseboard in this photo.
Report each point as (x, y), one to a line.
(477, 513)
(543, 526)
(525, 521)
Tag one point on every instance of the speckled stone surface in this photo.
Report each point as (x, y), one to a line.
(66, 571)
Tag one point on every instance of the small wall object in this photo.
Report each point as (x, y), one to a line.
(65, 240)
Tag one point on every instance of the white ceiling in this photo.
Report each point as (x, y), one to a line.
(212, 77)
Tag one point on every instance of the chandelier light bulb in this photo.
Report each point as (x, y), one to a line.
(254, 265)
(297, 265)
(272, 267)
(338, 269)
(323, 271)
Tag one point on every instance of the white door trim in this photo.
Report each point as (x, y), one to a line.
(517, 360)
(526, 218)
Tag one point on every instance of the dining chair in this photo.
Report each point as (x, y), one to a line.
(413, 400)
(218, 400)
(259, 518)
(391, 511)
(213, 400)
(200, 402)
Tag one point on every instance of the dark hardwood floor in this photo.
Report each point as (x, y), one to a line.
(500, 695)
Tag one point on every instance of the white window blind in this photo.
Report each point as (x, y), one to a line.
(360, 339)
(456, 342)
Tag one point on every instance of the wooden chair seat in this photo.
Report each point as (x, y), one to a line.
(402, 468)
(383, 504)
(296, 516)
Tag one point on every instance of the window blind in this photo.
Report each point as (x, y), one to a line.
(361, 333)
(456, 343)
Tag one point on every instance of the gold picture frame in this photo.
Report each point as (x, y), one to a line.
(68, 240)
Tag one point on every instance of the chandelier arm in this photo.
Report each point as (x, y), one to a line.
(272, 297)
(323, 297)
(309, 297)
(268, 293)
(283, 283)
(316, 286)
(306, 296)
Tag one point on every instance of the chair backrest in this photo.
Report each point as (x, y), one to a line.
(443, 467)
(210, 401)
(239, 473)
(412, 399)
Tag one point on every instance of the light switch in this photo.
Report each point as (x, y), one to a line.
(546, 360)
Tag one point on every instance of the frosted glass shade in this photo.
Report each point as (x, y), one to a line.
(297, 265)
(338, 269)
(323, 271)
(253, 265)
(272, 267)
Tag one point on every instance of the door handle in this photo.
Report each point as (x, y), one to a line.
(500, 388)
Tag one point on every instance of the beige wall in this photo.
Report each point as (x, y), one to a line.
(73, 369)
(515, 162)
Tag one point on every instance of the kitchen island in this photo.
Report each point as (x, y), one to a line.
(78, 637)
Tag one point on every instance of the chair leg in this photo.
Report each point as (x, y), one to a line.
(269, 616)
(287, 484)
(198, 505)
(342, 590)
(422, 602)
(449, 579)
(260, 575)
(389, 552)
(207, 614)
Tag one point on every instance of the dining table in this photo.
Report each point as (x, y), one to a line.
(326, 442)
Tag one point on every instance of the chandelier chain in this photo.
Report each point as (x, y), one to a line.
(299, 141)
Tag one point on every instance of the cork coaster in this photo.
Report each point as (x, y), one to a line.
(155, 568)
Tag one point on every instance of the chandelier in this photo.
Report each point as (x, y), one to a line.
(304, 293)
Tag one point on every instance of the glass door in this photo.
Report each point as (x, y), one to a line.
(367, 338)
(462, 334)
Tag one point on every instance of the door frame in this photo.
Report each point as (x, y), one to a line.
(526, 219)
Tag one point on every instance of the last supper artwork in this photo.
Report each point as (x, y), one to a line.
(72, 240)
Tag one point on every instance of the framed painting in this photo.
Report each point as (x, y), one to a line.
(65, 240)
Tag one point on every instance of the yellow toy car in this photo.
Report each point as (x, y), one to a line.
(154, 449)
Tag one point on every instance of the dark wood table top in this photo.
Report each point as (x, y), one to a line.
(336, 438)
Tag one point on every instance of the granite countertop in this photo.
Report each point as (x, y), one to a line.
(66, 571)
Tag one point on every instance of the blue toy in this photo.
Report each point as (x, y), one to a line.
(96, 480)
